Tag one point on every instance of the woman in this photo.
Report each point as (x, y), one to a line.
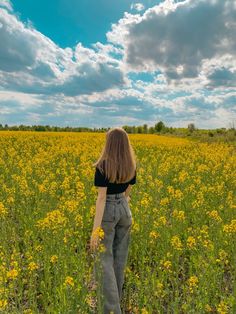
(114, 175)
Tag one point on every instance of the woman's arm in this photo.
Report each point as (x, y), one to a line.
(100, 206)
(99, 210)
(127, 192)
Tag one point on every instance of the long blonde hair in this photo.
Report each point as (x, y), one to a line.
(117, 160)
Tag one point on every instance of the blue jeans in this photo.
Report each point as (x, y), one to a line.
(116, 223)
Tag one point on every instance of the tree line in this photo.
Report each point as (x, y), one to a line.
(158, 128)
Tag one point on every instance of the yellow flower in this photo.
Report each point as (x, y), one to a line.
(159, 288)
(214, 215)
(39, 248)
(12, 274)
(178, 214)
(176, 242)
(167, 265)
(162, 220)
(178, 194)
(222, 307)
(3, 210)
(192, 282)
(170, 189)
(3, 304)
(28, 311)
(231, 227)
(54, 220)
(54, 259)
(208, 308)
(191, 242)
(70, 205)
(154, 234)
(164, 201)
(14, 263)
(99, 232)
(79, 220)
(183, 175)
(32, 266)
(222, 257)
(69, 281)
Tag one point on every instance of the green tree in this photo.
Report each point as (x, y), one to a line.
(159, 126)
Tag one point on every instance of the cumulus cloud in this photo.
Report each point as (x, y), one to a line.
(176, 37)
(121, 106)
(32, 63)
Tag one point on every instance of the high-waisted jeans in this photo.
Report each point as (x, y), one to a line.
(116, 223)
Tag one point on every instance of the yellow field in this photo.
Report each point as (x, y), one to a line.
(182, 256)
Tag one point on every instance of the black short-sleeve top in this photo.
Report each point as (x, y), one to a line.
(112, 188)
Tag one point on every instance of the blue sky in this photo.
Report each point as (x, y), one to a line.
(112, 63)
(69, 22)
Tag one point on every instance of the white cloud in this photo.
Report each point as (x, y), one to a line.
(177, 37)
(137, 6)
(32, 63)
(6, 4)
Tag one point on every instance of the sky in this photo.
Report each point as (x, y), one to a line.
(106, 63)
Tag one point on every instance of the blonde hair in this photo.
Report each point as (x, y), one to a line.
(117, 160)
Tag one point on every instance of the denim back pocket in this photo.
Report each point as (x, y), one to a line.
(109, 212)
(126, 206)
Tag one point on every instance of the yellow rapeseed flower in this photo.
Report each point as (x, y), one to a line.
(12, 274)
(28, 311)
(3, 304)
(162, 220)
(222, 257)
(191, 242)
(53, 220)
(208, 308)
(98, 232)
(69, 281)
(154, 234)
(176, 242)
(214, 215)
(33, 266)
(192, 282)
(164, 201)
(167, 265)
(3, 210)
(231, 227)
(222, 308)
(54, 259)
(178, 214)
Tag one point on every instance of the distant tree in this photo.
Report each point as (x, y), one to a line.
(171, 130)
(166, 129)
(145, 128)
(191, 127)
(159, 126)
(221, 131)
(140, 129)
(151, 130)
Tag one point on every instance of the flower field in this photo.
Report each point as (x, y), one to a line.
(182, 256)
